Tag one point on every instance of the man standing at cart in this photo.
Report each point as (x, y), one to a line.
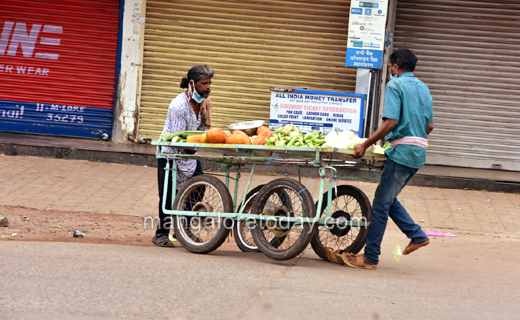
(189, 111)
(408, 119)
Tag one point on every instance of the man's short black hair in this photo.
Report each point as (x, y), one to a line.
(197, 73)
(404, 59)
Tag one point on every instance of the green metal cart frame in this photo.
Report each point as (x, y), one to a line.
(229, 155)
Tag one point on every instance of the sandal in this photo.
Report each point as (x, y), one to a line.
(162, 241)
(334, 256)
(411, 247)
(359, 261)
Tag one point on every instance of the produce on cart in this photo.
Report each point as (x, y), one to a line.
(279, 218)
(179, 136)
(287, 136)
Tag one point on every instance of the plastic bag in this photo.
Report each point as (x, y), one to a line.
(397, 253)
(438, 233)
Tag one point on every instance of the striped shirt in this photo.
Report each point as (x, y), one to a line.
(182, 118)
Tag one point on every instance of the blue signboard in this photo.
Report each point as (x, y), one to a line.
(325, 111)
(364, 58)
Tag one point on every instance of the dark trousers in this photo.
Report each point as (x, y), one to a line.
(393, 179)
(165, 220)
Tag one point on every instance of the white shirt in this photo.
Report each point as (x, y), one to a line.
(182, 118)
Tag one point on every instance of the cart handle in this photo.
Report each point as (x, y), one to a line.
(324, 172)
(332, 176)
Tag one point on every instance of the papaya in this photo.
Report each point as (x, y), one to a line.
(240, 132)
(261, 129)
(204, 139)
(216, 135)
(236, 138)
(262, 137)
(195, 138)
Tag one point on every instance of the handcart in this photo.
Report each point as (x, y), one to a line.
(279, 218)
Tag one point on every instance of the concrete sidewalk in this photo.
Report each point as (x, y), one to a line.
(144, 154)
(78, 185)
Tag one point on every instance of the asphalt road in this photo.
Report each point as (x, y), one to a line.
(468, 277)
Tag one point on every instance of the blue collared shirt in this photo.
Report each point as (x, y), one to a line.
(408, 100)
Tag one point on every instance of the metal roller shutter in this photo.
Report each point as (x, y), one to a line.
(58, 66)
(469, 56)
(251, 45)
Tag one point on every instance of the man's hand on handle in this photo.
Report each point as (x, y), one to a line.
(359, 151)
(384, 129)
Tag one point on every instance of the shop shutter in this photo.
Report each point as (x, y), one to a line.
(469, 56)
(58, 66)
(251, 45)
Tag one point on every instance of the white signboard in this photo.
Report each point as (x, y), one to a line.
(317, 110)
(366, 33)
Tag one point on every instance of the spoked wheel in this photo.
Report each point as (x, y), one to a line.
(202, 194)
(242, 228)
(350, 204)
(283, 240)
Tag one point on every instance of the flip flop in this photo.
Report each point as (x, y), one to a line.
(411, 247)
(360, 261)
(334, 256)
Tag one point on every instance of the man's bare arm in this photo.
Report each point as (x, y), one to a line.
(384, 129)
(430, 128)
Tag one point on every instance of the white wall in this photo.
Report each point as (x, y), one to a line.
(126, 107)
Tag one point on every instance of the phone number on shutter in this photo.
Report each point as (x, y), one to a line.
(64, 118)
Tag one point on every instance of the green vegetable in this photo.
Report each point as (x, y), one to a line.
(186, 134)
(286, 130)
(169, 136)
(312, 134)
(183, 135)
(292, 141)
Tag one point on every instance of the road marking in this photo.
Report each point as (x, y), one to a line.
(265, 288)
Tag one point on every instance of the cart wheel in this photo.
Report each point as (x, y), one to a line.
(285, 198)
(242, 228)
(206, 194)
(350, 203)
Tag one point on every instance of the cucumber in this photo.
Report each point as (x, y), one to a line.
(183, 135)
(186, 134)
(169, 136)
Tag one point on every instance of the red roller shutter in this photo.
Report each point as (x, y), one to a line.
(58, 66)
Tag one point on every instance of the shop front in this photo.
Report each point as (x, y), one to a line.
(252, 47)
(58, 62)
(469, 54)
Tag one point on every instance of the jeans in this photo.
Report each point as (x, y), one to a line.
(165, 220)
(393, 180)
